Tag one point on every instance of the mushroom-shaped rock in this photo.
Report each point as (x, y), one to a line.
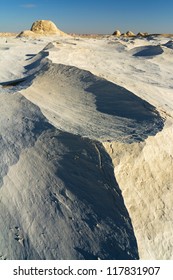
(45, 27)
(130, 34)
(117, 33)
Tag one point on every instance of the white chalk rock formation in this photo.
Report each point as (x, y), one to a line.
(145, 169)
(130, 34)
(142, 34)
(45, 27)
(117, 33)
(42, 28)
(86, 154)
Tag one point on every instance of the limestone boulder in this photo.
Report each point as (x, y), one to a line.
(142, 34)
(117, 33)
(130, 34)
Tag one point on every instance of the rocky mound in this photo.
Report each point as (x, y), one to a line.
(130, 34)
(45, 27)
(117, 33)
(142, 34)
(42, 27)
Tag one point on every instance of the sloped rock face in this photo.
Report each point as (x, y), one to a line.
(45, 26)
(47, 212)
(146, 168)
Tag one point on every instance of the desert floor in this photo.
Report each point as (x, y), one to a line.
(86, 137)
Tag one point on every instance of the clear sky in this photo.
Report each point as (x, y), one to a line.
(89, 16)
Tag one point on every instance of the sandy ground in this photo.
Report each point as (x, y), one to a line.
(86, 148)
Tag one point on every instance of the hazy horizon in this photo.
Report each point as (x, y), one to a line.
(102, 17)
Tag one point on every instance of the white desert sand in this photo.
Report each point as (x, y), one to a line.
(86, 148)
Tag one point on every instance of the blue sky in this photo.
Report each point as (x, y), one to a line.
(89, 16)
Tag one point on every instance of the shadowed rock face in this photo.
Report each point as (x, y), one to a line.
(149, 51)
(117, 101)
(64, 200)
(169, 44)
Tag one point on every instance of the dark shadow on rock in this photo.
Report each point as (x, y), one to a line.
(30, 56)
(169, 44)
(83, 215)
(86, 255)
(36, 60)
(147, 51)
(12, 83)
(98, 210)
(117, 101)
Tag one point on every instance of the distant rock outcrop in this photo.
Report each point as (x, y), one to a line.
(117, 33)
(169, 44)
(7, 34)
(130, 34)
(42, 27)
(142, 34)
(45, 27)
